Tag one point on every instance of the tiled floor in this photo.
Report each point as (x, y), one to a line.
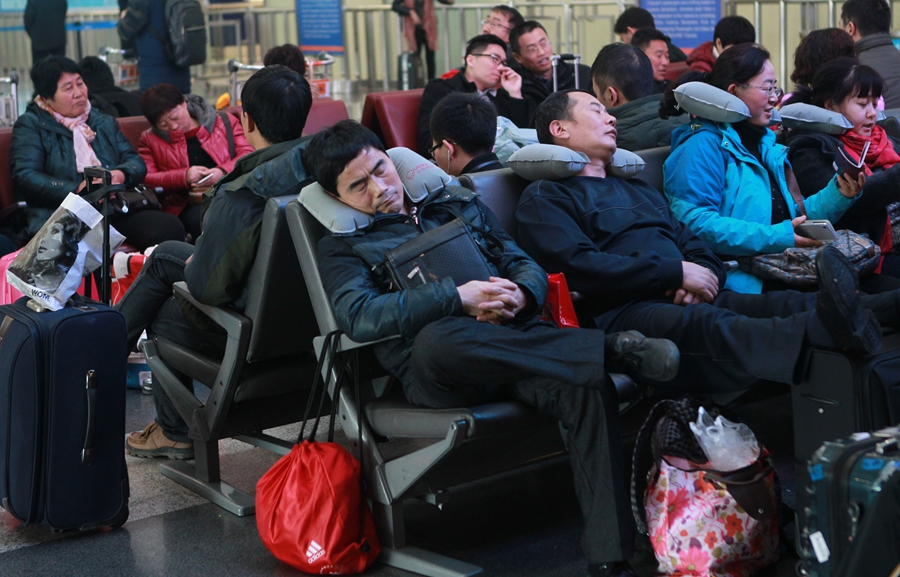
(521, 523)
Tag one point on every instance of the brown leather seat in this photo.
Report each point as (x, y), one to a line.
(132, 127)
(325, 112)
(394, 117)
(675, 70)
(7, 191)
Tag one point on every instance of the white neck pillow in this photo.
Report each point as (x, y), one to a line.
(809, 117)
(419, 178)
(711, 103)
(553, 162)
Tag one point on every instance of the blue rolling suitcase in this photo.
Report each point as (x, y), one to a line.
(845, 477)
(62, 415)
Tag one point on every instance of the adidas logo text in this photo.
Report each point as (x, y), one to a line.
(314, 552)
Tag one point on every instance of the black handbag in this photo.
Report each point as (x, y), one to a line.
(446, 251)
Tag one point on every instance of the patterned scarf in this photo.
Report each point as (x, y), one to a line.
(881, 155)
(82, 135)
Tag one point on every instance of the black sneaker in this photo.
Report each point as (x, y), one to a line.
(839, 307)
(655, 359)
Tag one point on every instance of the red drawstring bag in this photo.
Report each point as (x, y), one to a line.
(310, 506)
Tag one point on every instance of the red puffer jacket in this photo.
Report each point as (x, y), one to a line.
(167, 161)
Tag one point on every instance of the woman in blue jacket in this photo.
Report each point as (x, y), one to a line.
(729, 182)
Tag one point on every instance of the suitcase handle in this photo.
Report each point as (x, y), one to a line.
(87, 453)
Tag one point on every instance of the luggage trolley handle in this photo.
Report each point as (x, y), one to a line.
(234, 65)
(87, 453)
(13, 81)
(555, 60)
(94, 195)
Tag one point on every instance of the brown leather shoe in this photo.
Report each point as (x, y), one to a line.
(152, 442)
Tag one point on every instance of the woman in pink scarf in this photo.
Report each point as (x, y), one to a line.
(58, 136)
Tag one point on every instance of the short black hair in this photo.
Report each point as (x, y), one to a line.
(278, 100)
(643, 37)
(836, 80)
(159, 99)
(45, 74)
(466, 119)
(482, 41)
(512, 15)
(870, 16)
(288, 55)
(624, 67)
(557, 106)
(331, 150)
(96, 73)
(733, 30)
(633, 17)
(523, 28)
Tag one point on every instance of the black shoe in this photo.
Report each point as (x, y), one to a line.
(655, 359)
(839, 307)
(608, 570)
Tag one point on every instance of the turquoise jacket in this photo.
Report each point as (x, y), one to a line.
(722, 193)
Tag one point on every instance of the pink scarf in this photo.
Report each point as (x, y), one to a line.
(82, 135)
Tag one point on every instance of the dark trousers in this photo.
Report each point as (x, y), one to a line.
(729, 344)
(421, 41)
(149, 305)
(147, 228)
(38, 55)
(560, 373)
(190, 217)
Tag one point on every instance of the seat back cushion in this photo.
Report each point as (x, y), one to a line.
(132, 127)
(500, 191)
(7, 192)
(324, 113)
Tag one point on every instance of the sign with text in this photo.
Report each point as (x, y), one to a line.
(320, 26)
(687, 23)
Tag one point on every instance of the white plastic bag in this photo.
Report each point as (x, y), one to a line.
(728, 446)
(69, 245)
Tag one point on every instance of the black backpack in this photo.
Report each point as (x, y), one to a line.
(186, 29)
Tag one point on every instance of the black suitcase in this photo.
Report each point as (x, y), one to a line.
(410, 73)
(62, 405)
(841, 395)
(844, 477)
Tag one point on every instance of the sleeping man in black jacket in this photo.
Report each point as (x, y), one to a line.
(637, 266)
(480, 341)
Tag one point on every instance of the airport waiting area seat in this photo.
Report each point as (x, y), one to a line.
(8, 204)
(654, 158)
(464, 444)
(263, 378)
(394, 117)
(325, 112)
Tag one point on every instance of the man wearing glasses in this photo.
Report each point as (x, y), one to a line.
(532, 49)
(485, 73)
(501, 21)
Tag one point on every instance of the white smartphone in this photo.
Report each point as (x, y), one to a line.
(206, 178)
(818, 230)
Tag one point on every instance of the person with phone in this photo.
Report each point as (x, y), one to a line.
(731, 183)
(852, 89)
(188, 148)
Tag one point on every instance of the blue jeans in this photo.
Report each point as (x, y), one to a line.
(149, 305)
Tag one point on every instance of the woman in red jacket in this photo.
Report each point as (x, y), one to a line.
(187, 149)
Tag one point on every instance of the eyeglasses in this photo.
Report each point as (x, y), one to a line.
(499, 60)
(495, 24)
(533, 49)
(433, 148)
(771, 91)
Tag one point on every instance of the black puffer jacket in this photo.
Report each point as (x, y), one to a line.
(811, 155)
(360, 289)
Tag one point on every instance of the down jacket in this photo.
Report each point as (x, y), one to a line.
(353, 274)
(165, 152)
(225, 252)
(722, 193)
(42, 159)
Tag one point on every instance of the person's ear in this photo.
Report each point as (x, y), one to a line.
(451, 148)
(732, 89)
(469, 60)
(719, 48)
(631, 30)
(248, 124)
(851, 28)
(517, 57)
(558, 131)
(829, 105)
(612, 96)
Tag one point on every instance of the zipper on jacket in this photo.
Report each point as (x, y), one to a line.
(414, 213)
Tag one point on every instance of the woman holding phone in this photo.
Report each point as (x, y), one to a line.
(187, 149)
(853, 89)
